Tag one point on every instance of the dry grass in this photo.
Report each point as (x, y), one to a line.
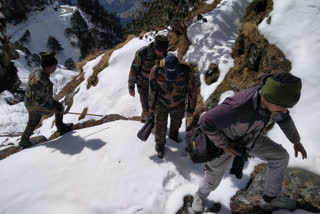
(183, 45)
(249, 28)
(88, 58)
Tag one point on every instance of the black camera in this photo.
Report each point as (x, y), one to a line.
(238, 162)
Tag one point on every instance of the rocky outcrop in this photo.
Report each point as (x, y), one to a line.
(300, 184)
(212, 74)
(254, 57)
(8, 73)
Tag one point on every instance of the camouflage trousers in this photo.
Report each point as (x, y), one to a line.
(161, 121)
(34, 119)
(143, 92)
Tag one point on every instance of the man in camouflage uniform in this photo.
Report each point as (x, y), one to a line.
(170, 86)
(142, 64)
(39, 100)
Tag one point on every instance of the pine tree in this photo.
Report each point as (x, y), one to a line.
(78, 24)
(53, 44)
(26, 37)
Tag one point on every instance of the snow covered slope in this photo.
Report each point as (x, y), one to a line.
(214, 43)
(43, 24)
(101, 170)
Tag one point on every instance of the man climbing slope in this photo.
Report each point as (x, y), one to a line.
(39, 98)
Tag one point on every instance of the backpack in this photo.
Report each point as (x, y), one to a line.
(199, 146)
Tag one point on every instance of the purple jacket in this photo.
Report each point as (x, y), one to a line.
(240, 119)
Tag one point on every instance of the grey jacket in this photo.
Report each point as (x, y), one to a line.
(240, 119)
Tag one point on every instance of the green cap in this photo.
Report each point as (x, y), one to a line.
(282, 92)
(46, 56)
(48, 59)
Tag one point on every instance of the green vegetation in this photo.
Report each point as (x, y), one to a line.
(159, 14)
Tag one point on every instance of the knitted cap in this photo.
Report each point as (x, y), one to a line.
(48, 59)
(161, 43)
(283, 89)
(170, 67)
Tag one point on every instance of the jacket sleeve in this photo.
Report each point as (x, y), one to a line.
(193, 86)
(285, 122)
(134, 70)
(153, 88)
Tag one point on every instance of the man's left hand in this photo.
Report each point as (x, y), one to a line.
(298, 147)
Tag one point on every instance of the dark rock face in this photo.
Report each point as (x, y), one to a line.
(212, 74)
(300, 184)
(8, 73)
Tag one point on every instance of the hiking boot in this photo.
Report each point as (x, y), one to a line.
(278, 203)
(25, 143)
(66, 127)
(160, 150)
(198, 204)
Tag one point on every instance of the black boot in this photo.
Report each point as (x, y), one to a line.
(25, 143)
(160, 150)
(175, 137)
(64, 128)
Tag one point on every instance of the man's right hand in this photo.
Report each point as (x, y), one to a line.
(230, 149)
(132, 92)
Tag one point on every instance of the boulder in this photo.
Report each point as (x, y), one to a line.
(300, 184)
(212, 74)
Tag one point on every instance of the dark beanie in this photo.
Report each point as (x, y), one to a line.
(48, 59)
(170, 67)
(161, 43)
(282, 89)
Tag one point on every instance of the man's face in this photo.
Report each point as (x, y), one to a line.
(159, 53)
(51, 69)
(273, 108)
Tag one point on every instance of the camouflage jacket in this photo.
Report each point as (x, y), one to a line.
(141, 66)
(173, 93)
(38, 95)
